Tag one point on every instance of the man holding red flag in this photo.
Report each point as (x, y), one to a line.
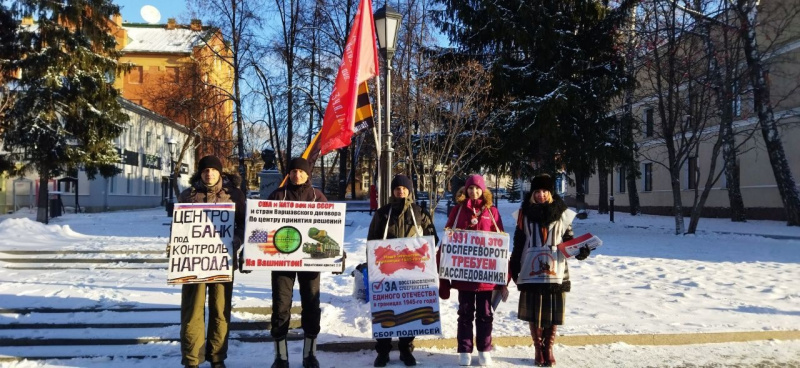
(359, 63)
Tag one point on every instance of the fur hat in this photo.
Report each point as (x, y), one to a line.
(477, 181)
(402, 180)
(299, 163)
(543, 181)
(209, 162)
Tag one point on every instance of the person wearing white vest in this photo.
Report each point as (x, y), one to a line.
(538, 268)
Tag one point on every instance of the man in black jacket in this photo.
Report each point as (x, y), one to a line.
(297, 189)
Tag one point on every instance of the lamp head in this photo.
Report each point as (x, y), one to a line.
(387, 24)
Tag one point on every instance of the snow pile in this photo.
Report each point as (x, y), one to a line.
(24, 232)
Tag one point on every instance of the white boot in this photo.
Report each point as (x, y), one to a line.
(484, 358)
(464, 359)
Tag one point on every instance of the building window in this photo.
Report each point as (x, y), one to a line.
(112, 188)
(586, 184)
(131, 138)
(647, 175)
(129, 184)
(173, 74)
(136, 75)
(621, 181)
(148, 139)
(691, 175)
(648, 122)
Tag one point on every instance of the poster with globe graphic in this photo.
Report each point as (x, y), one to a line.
(294, 236)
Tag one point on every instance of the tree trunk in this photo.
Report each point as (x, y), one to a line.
(352, 178)
(677, 201)
(602, 203)
(343, 156)
(42, 211)
(769, 128)
(627, 130)
(580, 191)
(633, 194)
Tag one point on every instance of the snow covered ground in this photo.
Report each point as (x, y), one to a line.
(643, 280)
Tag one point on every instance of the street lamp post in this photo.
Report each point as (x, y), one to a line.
(387, 24)
(171, 143)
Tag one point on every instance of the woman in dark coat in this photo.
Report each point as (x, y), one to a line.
(538, 268)
(397, 220)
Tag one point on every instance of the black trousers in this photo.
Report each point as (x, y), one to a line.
(404, 344)
(282, 285)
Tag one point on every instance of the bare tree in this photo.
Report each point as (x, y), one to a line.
(239, 22)
(675, 79)
(449, 125)
(747, 12)
(187, 98)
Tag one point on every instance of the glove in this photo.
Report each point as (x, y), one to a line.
(344, 256)
(237, 244)
(444, 289)
(583, 253)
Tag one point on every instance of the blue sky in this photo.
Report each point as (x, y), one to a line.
(168, 9)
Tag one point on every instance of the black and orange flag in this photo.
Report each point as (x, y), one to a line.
(364, 120)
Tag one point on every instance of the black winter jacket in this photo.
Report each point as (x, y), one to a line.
(225, 191)
(301, 193)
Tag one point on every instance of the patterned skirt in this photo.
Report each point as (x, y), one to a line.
(542, 310)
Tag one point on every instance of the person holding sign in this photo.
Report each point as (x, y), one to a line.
(538, 268)
(401, 218)
(474, 211)
(297, 189)
(210, 185)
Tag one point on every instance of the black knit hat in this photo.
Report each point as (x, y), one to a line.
(543, 181)
(209, 162)
(300, 163)
(402, 180)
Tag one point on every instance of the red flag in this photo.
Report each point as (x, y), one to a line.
(359, 63)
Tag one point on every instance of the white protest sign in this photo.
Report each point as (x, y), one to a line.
(476, 256)
(294, 236)
(404, 287)
(201, 243)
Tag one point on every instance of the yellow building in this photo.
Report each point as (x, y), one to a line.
(758, 187)
(181, 72)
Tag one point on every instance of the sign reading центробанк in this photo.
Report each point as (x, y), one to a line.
(201, 243)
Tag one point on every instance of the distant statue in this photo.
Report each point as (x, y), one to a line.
(268, 156)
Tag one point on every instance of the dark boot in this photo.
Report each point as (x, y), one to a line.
(381, 360)
(406, 348)
(538, 345)
(218, 365)
(281, 354)
(549, 339)
(382, 347)
(310, 353)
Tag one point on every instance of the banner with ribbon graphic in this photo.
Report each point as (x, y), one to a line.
(404, 287)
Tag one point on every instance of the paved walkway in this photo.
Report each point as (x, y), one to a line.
(578, 340)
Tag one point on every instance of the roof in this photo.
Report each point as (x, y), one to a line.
(149, 38)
